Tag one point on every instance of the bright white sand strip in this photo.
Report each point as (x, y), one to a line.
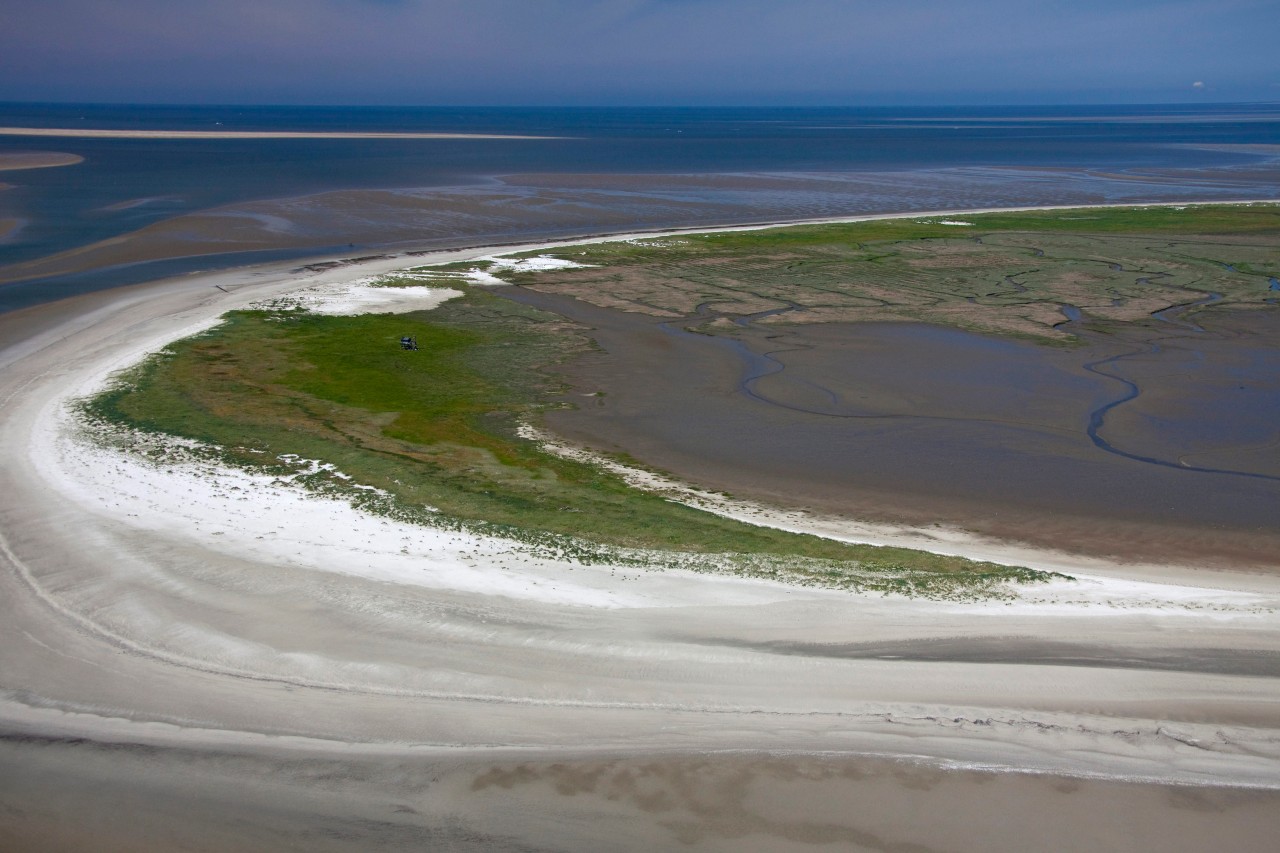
(270, 519)
(223, 495)
(485, 276)
(277, 520)
(101, 133)
(362, 296)
(300, 523)
(693, 231)
(532, 654)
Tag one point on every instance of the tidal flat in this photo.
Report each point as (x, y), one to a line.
(1100, 381)
(433, 435)
(214, 653)
(1023, 382)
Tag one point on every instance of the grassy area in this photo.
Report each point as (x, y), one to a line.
(436, 431)
(1184, 220)
(1002, 273)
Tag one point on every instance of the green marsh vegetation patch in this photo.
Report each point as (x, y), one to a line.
(434, 431)
(1008, 274)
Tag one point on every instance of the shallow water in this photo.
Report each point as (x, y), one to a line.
(605, 170)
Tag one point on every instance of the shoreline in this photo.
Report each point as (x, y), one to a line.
(410, 248)
(548, 245)
(942, 540)
(180, 614)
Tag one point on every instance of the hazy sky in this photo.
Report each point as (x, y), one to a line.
(803, 52)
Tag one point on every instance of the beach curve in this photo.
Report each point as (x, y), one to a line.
(515, 653)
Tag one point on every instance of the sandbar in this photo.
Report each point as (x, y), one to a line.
(196, 650)
(104, 133)
(11, 161)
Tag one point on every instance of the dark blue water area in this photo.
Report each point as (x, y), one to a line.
(126, 184)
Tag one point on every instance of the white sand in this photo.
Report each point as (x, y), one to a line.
(484, 275)
(192, 606)
(97, 133)
(362, 296)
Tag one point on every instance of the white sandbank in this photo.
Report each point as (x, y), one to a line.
(99, 133)
(190, 603)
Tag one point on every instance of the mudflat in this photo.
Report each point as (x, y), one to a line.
(921, 424)
(1102, 382)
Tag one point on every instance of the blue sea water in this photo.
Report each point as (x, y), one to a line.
(63, 208)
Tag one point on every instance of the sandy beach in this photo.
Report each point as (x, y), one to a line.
(222, 660)
(103, 133)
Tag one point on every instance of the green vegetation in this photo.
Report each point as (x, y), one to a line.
(432, 436)
(1002, 273)
(435, 432)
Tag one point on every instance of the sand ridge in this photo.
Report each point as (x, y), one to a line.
(16, 160)
(104, 133)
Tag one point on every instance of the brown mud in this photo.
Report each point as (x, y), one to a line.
(907, 423)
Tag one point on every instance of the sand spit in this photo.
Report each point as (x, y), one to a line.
(92, 133)
(182, 642)
(15, 160)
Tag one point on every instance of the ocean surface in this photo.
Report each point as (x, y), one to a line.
(600, 169)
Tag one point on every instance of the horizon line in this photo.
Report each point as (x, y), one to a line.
(654, 105)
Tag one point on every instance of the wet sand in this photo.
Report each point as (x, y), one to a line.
(169, 680)
(921, 425)
(17, 160)
(205, 800)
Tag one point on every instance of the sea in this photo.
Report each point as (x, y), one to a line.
(594, 169)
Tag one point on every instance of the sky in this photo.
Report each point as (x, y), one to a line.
(639, 52)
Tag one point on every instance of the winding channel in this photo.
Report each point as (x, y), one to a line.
(759, 365)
